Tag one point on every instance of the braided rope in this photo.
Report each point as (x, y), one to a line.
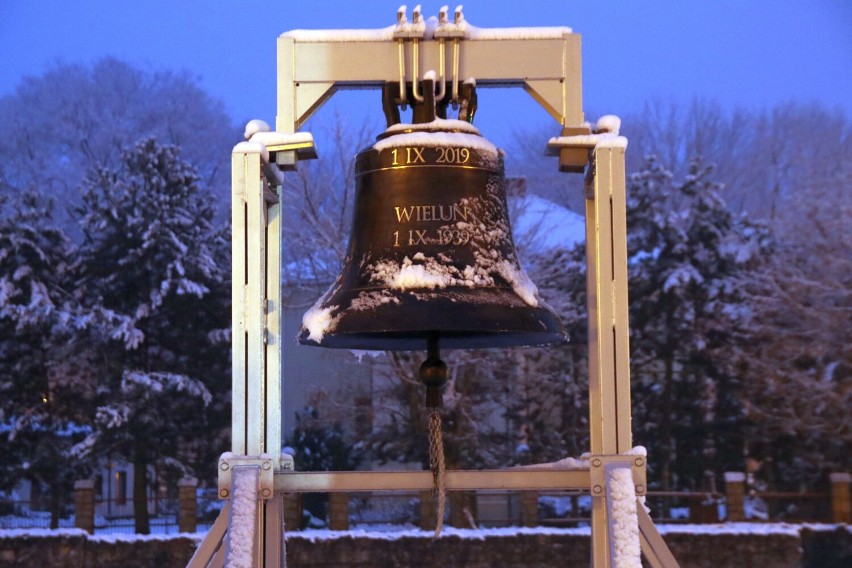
(436, 462)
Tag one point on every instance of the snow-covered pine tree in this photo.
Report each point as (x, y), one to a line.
(788, 167)
(689, 265)
(46, 388)
(150, 251)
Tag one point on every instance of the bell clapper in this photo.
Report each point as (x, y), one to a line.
(433, 374)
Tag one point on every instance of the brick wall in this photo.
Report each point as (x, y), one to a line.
(805, 548)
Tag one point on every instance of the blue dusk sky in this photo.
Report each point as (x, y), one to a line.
(741, 53)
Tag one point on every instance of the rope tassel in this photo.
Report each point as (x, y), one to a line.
(433, 374)
(436, 462)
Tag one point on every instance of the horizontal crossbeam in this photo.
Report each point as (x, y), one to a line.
(311, 69)
(456, 480)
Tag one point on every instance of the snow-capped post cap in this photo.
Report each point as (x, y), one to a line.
(254, 126)
(735, 477)
(608, 123)
(188, 482)
(84, 484)
(252, 148)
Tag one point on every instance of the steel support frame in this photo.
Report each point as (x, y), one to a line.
(311, 71)
(606, 283)
(257, 354)
(308, 74)
(609, 347)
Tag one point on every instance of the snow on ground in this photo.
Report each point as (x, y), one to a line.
(28, 533)
(161, 525)
(791, 529)
(98, 537)
(482, 533)
(395, 532)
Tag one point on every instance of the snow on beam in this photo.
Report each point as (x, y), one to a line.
(605, 135)
(431, 28)
(312, 65)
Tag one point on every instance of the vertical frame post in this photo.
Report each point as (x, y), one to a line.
(609, 355)
(255, 310)
(243, 166)
(255, 307)
(273, 395)
(606, 274)
(273, 399)
(255, 335)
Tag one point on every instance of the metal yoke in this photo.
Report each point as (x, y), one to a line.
(311, 67)
(313, 64)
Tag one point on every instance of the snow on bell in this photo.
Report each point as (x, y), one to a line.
(430, 252)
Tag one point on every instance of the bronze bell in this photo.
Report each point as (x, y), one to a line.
(430, 253)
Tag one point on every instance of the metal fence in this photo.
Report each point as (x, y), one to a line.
(394, 510)
(389, 511)
(113, 516)
(19, 514)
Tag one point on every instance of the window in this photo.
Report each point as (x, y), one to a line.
(120, 487)
(99, 487)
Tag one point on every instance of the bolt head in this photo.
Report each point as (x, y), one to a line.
(640, 489)
(639, 462)
(267, 465)
(597, 489)
(596, 462)
(224, 466)
(223, 493)
(267, 492)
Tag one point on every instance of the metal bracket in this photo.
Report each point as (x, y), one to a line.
(597, 472)
(227, 463)
(284, 149)
(572, 147)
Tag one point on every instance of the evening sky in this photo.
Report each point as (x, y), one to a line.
(741, 53)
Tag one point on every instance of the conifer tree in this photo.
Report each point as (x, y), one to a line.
(45, 386)
(150, 252)
(688, 269)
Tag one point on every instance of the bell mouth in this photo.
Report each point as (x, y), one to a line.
(462, 317)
